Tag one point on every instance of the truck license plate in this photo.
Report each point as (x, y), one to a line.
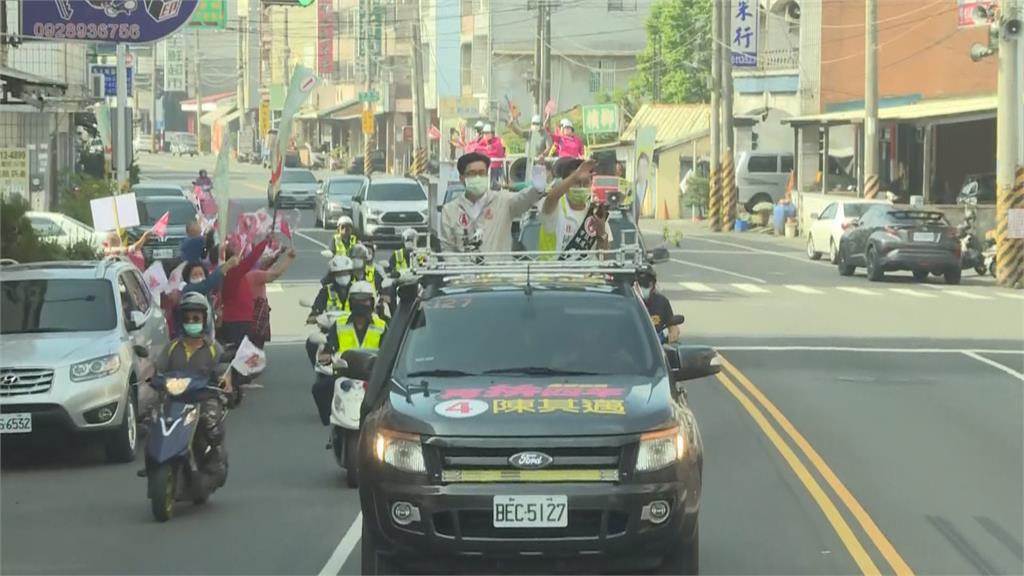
(531, 512)
(16, 423)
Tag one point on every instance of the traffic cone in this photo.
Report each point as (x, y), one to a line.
(663, 213)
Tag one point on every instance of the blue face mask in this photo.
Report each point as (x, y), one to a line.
(193, 330)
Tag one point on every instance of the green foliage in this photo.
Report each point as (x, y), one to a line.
(74, 201)
(697, 192)
(683, 30)
(133, 173)
(514, 143)
(19, 241)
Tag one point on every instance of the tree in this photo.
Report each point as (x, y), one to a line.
(678, 51)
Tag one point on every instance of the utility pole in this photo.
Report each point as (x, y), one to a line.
(538, 50)
(1009, 175)
(728, 209)
(199, 97)
(121, 138)
(870, 102)
(368, 106)
(545, 64)
(287, 48)
(419, 125)
(715, 192)
(152, 109)
(241, 98)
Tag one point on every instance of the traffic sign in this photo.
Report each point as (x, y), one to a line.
(369, 96)
(367, 122)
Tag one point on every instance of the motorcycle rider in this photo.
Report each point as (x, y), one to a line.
(196, 353)
(364, 268)
(657, 305)
(333, 295)
(400, 259)
(359, 328)
(203, 181)
(345, 238)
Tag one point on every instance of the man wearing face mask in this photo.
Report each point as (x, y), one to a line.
(400, 259)
(537, 139)
(333, 295)
(481, 212)
(345, 239)
(364, 268)
(360, 328)
(566, 205)
(657, 305)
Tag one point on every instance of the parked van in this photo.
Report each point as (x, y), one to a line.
(762, 176)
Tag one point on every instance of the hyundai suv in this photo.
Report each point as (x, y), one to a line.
(565, 440)
(76, 349)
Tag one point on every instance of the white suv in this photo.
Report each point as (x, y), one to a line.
(387, 207)
(77, 344)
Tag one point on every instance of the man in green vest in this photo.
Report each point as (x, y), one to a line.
(566, 206)
(360, 328)
(345, 239)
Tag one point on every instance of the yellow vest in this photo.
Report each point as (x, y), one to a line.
(334, 301)
(339, 246)
(348, 339)
(400, 261)
(548, 241)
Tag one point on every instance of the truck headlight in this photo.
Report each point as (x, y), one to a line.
(403, 451)
(660, 449)
(95, 368)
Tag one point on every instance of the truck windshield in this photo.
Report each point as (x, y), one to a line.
(569, 331)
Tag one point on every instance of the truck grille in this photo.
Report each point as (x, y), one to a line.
(22, 381)
(490, 463)
(402, 218)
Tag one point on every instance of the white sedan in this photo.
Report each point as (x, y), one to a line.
(63, 229)
(829, 226)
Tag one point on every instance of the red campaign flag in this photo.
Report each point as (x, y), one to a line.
(160, 228)
(285, 228)
(435, 134)
(549, 108)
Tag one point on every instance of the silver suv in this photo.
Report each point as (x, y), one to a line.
(77, 344)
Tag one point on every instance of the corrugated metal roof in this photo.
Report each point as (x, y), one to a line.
(673, 121)
(946, 107)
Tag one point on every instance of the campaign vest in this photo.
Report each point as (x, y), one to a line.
(348, 339)
(339, 246)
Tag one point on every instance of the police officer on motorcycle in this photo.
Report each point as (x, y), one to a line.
(333, 295)
(401, 258)
(364, 268)
(195, 352)
(359, 328)
(345, 238)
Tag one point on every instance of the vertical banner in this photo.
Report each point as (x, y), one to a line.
(174, 63)
(222, 183)
(964, 9)
(325, 37)
(301, 86)
(643, 170)
(743, 39)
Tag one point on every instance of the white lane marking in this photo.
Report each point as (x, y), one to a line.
(757, 250)
(345, 548)
(962, 294)
(994, 364)
(313, 240)
(803, 289)
(911, 292)
(750, 288)
(1013, 295)
(719, 270)
(696, 287)
(859, 349)
(698, 251)
(855, 290)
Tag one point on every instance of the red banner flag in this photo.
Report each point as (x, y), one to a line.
(160, 228)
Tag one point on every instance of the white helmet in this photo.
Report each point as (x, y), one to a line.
(488, 129)
(409, 235)
(479, 124)
(565, 123)
(344, 221)
(360, 289)
(339, 264)
(535, 119)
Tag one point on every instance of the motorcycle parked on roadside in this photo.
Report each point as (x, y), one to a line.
(181, 464)
(971, 248)
(990, 253)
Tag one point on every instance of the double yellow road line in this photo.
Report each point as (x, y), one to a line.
(757, 405)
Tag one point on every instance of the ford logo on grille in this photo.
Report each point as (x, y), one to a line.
(530, 460)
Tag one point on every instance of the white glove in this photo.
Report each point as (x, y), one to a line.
(539, 178)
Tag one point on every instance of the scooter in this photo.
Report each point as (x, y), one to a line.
(344, 434)
(177, 457)
(970, 245)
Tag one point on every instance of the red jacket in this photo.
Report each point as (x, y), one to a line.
(236, 292)
(493, 149)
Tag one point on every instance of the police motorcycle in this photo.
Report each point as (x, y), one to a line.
(971, 247)
(183, 447)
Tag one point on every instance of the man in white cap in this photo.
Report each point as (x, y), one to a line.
(537, 140)
(567, 143)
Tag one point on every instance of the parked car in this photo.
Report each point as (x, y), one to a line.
(376, 157)
(888, 238)
(158, 188)
(151, 209)
(334, 198)
(830, 225)
(63, 229)
(388, 206)
(183, 143)
(79, 340)
(298, 188)
(143, 143)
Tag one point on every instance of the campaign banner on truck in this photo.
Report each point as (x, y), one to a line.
(116, 21)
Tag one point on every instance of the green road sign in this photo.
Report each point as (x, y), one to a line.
(371, 96)
(210, 14)
(601, 119)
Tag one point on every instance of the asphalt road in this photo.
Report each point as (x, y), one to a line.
(853, 431)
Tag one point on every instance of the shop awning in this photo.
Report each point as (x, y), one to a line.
(966, 108)
(347, 110)
(208, 118)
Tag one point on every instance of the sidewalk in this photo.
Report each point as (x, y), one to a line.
(702, 229)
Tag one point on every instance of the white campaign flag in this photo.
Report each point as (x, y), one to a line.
(156, 280)
(249, 359)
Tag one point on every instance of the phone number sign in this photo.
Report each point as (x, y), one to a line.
(116, 21)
